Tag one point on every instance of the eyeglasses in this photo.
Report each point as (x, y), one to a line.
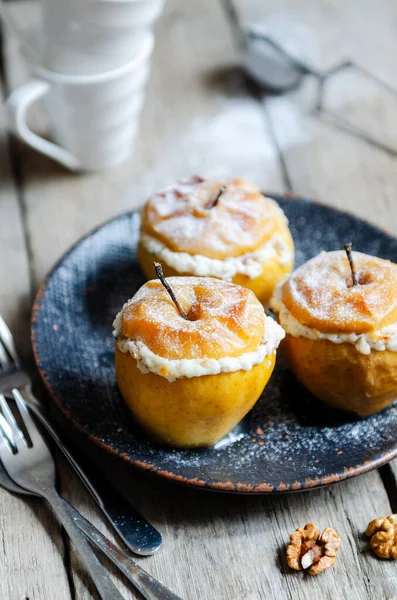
(293, 71)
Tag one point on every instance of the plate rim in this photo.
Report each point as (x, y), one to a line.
(228, 487)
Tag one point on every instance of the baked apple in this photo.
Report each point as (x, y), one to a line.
(220, 227)
(190, 370)
(341, 329)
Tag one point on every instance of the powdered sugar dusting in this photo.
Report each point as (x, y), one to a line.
(320, 293)
(213, 332)
(149, 362)
(223, 319)
(242, 220)
(286, 442)
(383, 339)
(250, 264)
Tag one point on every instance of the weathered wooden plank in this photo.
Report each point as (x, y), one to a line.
(184, 128)
(197, 119)
(221, 546)
(14, 269)
(32, 552)
(323, 162)
(326, 163)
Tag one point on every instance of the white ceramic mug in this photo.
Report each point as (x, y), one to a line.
(90, 36)
(93, 118)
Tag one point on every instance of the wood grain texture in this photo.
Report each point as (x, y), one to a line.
(221, 546)
(199, 117)
(321, 161)
(15, 298)
(31, 564)
(326, 163)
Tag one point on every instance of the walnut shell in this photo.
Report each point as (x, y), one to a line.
(310, 550)
(383, 534)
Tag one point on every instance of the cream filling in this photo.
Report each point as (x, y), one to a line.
(250, 264)
(148, 362)
(382, 339)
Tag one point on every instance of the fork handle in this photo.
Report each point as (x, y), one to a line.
(138, 534)
(150, 588)
(106, 588)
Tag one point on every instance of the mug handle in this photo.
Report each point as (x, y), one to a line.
(17, 105)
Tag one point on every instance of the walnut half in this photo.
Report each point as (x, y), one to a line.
(310, 550)
(383, 534)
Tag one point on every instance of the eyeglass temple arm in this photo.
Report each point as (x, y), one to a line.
(321, 76)
(324, 76)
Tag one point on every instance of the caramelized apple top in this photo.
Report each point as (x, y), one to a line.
(320, 294)
(223, 319)
(241, 221)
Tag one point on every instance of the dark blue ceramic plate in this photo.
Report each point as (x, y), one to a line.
(288, 442)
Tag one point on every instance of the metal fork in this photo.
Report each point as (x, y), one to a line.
(139, 535)
(33, 468)
(150, 588)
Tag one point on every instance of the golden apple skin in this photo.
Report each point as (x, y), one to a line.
(341, 376)
(263, 286)
(190, 412)
(320, 294)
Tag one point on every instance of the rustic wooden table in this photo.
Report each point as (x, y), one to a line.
(201, 117)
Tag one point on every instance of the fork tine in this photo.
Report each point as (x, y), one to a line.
(4, 360)
(8, 341)
(16, 434)
(5, 443)
(6, 429)
(30, 425)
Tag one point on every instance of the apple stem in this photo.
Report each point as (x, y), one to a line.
(160, 275)
(214, 202)
(348, 250)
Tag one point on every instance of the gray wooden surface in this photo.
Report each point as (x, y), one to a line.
(201, 117)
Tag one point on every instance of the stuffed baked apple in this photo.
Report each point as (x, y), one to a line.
(191, 360)
(220, 227)
(339, 311)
